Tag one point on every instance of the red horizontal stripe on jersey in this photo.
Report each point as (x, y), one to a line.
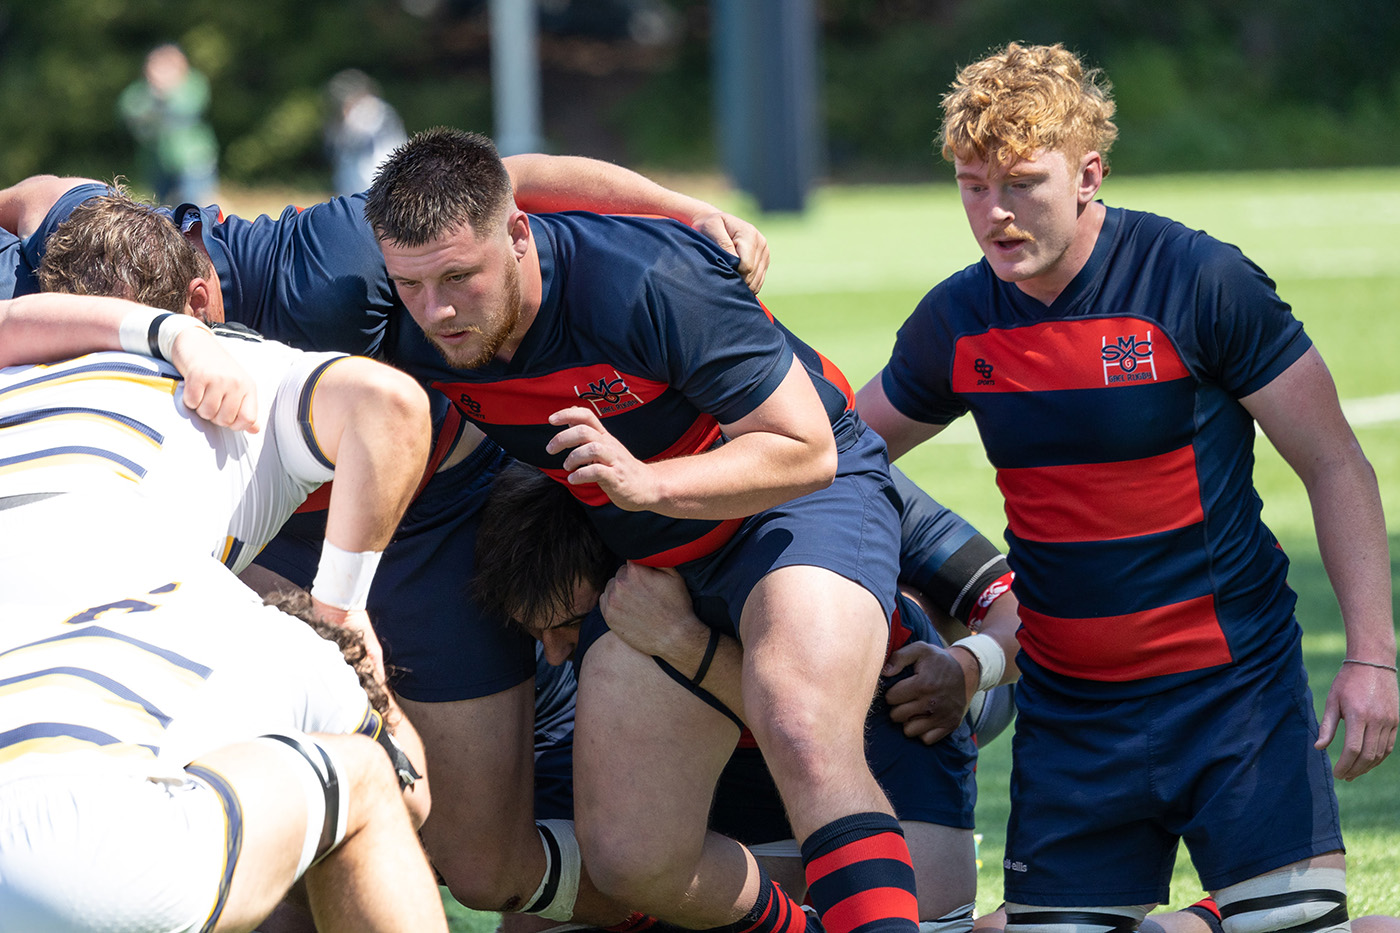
(531, 400)
(1103, 501)
(900, 634)
(1090, 353)
(702, 546)
(700, 436)
(1184, 636)
(837, 378)
(870, 904)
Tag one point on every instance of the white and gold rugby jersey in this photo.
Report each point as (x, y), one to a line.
(109, 433)
(162, 672)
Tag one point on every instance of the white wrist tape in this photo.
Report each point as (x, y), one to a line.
(172, 326)
(558, 889)
(152, 333)
(137, 329)
(991, 659)
(343, 577)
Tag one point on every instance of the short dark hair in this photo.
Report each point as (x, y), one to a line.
(535, 544)
(116, 246)
(434, 184)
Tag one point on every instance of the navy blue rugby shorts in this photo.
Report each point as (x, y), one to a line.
(1103, 789)
(850, 528)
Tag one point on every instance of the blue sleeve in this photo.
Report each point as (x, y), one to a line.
(311, 278)
(940, 554)
(14, 270)
(1248, 334)
(37, 242)
(695, 323)
(917, 379)
(723, 351)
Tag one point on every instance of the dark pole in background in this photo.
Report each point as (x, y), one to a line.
(765, 67)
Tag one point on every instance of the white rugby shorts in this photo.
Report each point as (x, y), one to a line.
(109, 853)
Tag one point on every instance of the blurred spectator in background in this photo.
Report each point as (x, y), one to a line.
(361, 131)
(178, 154)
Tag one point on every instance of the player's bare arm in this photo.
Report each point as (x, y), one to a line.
(24, 204)
(783, 449)
(650, 609)
(1300, 414)
(901, 434)
(50, 326)
(557, 183)
(372, 422)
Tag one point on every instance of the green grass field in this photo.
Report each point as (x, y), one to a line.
(845, 275)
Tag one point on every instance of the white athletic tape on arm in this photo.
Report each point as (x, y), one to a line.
(172, 326)
(991, 659)
(343, 577)
(152, 333)
(134, 332)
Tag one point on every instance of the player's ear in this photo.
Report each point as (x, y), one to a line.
(199, 300)
(1090, 176)
(518, 226)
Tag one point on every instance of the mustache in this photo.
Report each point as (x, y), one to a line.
(1013, 232)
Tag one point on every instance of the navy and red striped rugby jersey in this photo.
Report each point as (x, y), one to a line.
(1122, 452)
(650, 324)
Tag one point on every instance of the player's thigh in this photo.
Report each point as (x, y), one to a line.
(647, 754)
(814, 643)
(480, 755)
(268, 781)
(945, 867)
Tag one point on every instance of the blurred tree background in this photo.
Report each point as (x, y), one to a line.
(1201, 84)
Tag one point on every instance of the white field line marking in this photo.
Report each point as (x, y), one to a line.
(1378, 409)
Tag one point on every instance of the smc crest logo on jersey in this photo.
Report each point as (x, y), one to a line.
(1127, 354)
(1064, 355)
(609, 396)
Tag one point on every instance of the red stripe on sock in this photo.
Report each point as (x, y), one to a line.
(782, 915)
(861, 907)
(880, 846)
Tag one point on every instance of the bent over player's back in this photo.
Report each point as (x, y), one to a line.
(99, 458)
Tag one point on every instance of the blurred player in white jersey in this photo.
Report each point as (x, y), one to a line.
(139, 673)
(182, 725)
(86, 427)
